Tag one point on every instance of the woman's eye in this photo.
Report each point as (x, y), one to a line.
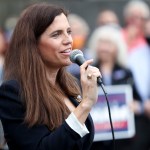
(55, 35)
(69, 31)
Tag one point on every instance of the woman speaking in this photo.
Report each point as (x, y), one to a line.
(39, 100)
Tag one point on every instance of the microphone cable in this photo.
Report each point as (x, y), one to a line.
(110, 118)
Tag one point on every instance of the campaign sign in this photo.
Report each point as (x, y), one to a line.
(123, 118)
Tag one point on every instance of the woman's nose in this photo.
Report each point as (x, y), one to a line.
(67, 39)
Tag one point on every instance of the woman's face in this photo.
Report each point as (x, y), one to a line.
(106, 51)
(55, 44)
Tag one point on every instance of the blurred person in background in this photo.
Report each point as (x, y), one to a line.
(9, 27)
(106, 17)
(80, 32)
(110, 51)
(135, 14)
(147, 60)
(137, 37)
(3, 47)
(147, 37)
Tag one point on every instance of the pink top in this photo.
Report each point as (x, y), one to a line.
(136, 43)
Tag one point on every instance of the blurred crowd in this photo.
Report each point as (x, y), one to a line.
(5, 36)
(121, 53)
(123, 56)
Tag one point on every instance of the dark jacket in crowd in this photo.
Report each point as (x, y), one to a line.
(121, 75)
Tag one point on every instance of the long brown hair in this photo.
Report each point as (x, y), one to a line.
(43, 101)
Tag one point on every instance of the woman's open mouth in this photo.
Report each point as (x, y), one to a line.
(66, 52)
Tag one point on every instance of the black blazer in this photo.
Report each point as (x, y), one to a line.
(20, 137)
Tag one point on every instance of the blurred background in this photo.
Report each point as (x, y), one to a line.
(116, 33)
(88, 9)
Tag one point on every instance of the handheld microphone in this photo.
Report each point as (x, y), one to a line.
(77, 57)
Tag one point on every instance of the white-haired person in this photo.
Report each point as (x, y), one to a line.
(135, 14)
(80, 31)
(109, 50)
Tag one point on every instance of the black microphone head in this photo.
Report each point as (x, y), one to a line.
(74, 54)
(77, 57)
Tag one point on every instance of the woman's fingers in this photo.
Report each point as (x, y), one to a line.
(84, 66)
(93, 70)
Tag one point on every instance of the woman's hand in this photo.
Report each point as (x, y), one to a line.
(89, 76)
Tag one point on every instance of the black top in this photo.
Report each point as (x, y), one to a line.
(20, 137)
